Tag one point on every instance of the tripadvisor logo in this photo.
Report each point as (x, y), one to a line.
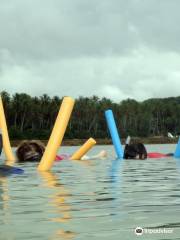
(138, 231)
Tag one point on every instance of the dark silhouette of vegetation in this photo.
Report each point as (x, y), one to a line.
(33, 117)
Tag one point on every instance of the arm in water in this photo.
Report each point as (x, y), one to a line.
(101, 155)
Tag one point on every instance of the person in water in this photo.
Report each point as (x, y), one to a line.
(138, 151)
(32, 151)
(29, 151)
(134, 150)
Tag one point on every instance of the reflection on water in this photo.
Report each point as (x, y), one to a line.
(99, 199)
(58, 200)
(4, 199)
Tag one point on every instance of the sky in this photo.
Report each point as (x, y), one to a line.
(117, 49)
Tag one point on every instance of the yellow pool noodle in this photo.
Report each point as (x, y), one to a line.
(57, 134)
(6, 143)
(84, 149)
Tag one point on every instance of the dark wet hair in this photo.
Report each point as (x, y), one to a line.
(135, 151)
(30, 151)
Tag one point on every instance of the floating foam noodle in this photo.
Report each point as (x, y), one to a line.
(84, 149)
(6, 143)
(177, 151)
(57, 134)
(114, 133)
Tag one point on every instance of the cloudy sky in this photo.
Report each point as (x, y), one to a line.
(113, 48)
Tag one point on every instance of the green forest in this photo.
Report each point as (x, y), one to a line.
(33, 117)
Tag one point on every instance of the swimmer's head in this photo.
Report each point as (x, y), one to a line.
(135, 151)
(29, 151)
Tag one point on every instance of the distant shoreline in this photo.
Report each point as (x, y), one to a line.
(107, 141)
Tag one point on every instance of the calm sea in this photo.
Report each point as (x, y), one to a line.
(95, 199)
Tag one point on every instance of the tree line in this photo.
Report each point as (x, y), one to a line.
(33, 117)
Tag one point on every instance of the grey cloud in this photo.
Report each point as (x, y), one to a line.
(156, 23)
(142, 75)
(39, 29)
(117, 48)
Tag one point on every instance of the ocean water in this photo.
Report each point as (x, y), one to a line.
(95, 199)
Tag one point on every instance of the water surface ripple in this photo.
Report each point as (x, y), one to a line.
(98, 199)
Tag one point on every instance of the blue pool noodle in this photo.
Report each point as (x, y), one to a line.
(114, 133)
(177, 152)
